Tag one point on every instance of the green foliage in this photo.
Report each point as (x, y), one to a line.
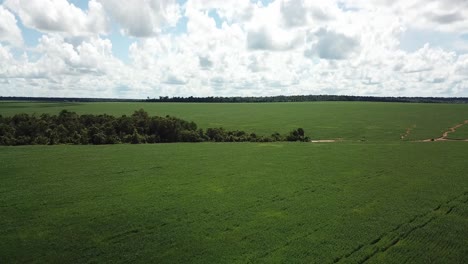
(297, 135)
(190, 136)
(216, 134)
(136, 138)
(379, 201)
(281, 202)
(374, 122)
(70, 128)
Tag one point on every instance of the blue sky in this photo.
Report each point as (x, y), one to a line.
(105, 48)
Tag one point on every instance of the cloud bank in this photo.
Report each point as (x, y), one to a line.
(135, 49)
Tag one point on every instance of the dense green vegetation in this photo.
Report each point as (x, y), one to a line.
(244, 202)
(70, 128)
(375, 197)
(321, 120)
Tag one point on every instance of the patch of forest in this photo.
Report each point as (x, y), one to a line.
(70, 128)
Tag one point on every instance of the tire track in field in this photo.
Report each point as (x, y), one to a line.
(446, 133)
(363, 253)
(407, 132)
(256, 258)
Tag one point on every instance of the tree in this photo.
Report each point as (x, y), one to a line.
(300, 132)
(141, 121)
(136, 138)
(189, 136)
(276, 136)
(216, 134)
(53, 136)
(296, 135)
(71, 128)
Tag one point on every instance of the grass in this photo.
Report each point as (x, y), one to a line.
(373, 197)
(217, 203)
(320, 120)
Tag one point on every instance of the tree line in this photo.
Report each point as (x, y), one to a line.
(70, 128)
(309, 98)
(253, 99)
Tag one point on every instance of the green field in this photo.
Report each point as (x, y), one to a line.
(460, 133)
(320, 120)
(382, 200)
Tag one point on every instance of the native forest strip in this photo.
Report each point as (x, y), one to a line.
(251, 99)
(70, 128)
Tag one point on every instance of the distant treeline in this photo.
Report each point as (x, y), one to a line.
(70, 128)
(309, 98)
(254, 99)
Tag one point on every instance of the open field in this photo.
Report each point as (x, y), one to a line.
(460, 133)
(233, 202)
(385, 200)
(320, 120)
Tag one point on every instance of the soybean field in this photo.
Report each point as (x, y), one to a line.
(391, 186)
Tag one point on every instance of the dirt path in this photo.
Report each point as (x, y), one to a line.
(408, 131)
(446, 133)
(323, 141)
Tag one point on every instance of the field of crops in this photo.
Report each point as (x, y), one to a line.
(460, 133)
(377, 196)
(320, 120)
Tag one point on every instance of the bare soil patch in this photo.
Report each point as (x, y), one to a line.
(326, 140)
(407, 132)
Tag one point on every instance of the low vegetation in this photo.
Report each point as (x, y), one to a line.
(380, 195)
(70, 128)
(354, 121)
(281, 202)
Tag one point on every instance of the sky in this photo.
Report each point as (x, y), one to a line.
(149, 48)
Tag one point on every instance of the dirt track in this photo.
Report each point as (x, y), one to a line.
(446, 133)
(323, 141)
(408, 131)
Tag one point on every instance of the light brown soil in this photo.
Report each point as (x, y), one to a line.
(446, 133)
(323, 141)
(408, 131)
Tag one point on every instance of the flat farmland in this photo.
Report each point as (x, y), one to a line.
(376, 196)
(320, 120)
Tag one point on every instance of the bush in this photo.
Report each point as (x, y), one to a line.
(297, 135)
(189, 136)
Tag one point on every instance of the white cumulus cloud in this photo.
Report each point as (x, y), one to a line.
(9, 30)
(143, 18)
(234, 47)
(60, 16)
